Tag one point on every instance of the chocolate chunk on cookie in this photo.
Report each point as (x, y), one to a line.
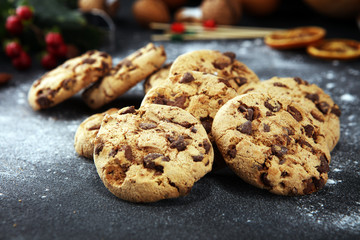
(223, 65)
(125, 75)
(67, 79)
(324, 112)
(151, 154)
(86, 133)
(282, 152)
(199, 93)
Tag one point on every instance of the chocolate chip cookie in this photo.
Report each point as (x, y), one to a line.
(220, 64)
(87, 131)
(271, 143)
(322, 108)
(158, 78)
(67, 79)
(125, 75)
(150, 154)
(201, 94)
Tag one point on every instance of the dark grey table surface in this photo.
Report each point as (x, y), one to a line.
(48, 192)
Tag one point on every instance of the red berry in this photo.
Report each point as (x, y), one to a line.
(13, 25)
(61, 51)
(177, 27)
(209, 23)
(22, 62)
(51, 49)
(24, 12)
(49, 61)
(13, 49)
(53, 39)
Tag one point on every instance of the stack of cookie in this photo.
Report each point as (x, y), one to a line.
(198, 113)
(275, 134)
(93, 72)
(194, 90)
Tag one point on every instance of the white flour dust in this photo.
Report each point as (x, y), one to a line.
(330, 75)
(354, 72)
(333, 182)
(330, 85)
(318, 215)
(348, 97)
(351, 221)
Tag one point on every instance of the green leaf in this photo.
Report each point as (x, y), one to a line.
(55, 12)
(49, 15)
(88, 37)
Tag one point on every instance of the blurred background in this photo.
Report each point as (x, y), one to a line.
(75, 26)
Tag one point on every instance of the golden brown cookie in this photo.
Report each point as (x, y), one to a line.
(67, 79)
(220, 64)
(150, 154)
(87, 131)
(125, 75)
(199, 93)
(271, 143)
(158, 78)
(322, 108)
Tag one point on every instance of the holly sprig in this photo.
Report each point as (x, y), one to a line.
(27, 24)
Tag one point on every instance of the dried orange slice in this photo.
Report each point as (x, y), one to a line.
(295, 38)
(340, 49)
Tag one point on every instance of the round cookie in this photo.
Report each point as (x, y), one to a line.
(158, 78)
(125, 75)
(86, 133)
(150, 154)
(220, 64)
(67, 79)
(199, 93)
(322, 108)
(272, 144)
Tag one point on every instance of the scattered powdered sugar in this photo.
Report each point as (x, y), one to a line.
(243, 51)
(348, 97)
(354, 72)
(330, 75)
(350, 221)
(330, 85)
(333, 182)
(21, 101)
(246, 44)
(318, 215)
(309, 211)
(258, 41)
(352, 117)
(336, 170)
